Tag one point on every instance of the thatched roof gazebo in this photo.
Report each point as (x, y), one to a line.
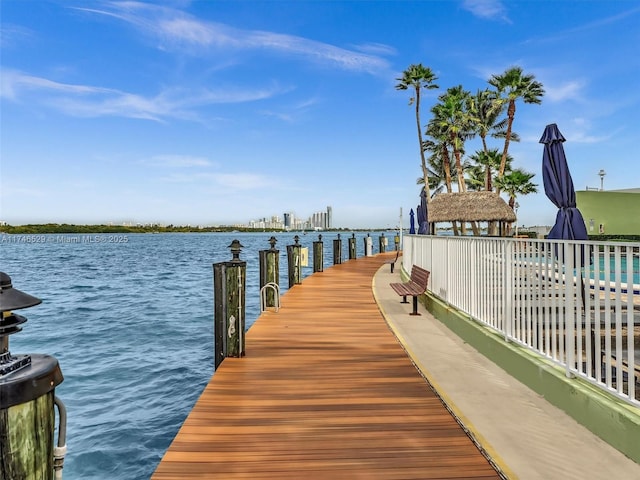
(469, 207)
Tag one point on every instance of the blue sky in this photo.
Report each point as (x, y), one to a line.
(219, 112)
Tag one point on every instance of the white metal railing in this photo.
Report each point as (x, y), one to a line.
(575, 303)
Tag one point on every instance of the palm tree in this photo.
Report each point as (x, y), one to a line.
(418, 77)
(513, 85)
(439, 158)
(451, 117)
(440, 170)
(486, 107)
(487, 162)
(517, 182)
(436, 177)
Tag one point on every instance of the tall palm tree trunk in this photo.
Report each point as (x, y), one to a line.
(511, 112)
(425, 172)
(462, 186)
(447, 180)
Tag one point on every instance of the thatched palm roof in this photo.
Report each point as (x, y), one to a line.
(469, 207)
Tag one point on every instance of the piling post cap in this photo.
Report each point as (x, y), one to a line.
(236, 247)
(319, 237)
(383, 234)
(12, 298)
(338, 236)
(296, 239)
(353, 235)
(272, 242)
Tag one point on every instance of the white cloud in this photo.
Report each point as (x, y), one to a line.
(376, 49)
(14, 83)
(14, 35)
(89, 101)
(177, 161)
(243, 181)
(565, 91)
(490, 9)
(292, 113)
(224, 181)
(178, 30)
(579, 134)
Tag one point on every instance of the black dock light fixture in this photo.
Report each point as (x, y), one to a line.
(236, 247)
(272, 241)
(27, 398)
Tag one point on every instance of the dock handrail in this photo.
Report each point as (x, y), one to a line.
(263, 296)
(545, 295)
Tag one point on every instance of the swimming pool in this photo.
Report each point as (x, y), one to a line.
(623, 268)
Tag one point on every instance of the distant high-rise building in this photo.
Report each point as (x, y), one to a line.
(329, 218)
(287, 220)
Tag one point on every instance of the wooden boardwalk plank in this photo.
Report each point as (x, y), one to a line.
(325, 391)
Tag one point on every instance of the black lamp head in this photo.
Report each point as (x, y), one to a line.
(12, 298)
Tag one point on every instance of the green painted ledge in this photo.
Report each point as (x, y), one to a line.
(613, 420)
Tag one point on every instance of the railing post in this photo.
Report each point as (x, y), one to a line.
(229, 283)
(508, 315)
(269, 271)
(570, 308)
(318, 255)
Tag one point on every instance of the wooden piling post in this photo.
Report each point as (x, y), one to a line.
(337, 250)
(269, 271)
(318, 255)
(382, 243)
(27, 420)
(396, 241)
(293, 261)
(229, 279)
(368, 246)
(27, 397)
(352, 247)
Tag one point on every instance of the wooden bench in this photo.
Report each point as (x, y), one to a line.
(416, 285)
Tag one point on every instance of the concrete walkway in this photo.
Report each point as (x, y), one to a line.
(527, 437)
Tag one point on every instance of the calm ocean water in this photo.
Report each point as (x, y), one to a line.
(130, 320)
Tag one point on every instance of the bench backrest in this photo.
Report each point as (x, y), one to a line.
(420, 276)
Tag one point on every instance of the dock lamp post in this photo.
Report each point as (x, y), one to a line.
(27, 399)
(602, 173)
(229, 292)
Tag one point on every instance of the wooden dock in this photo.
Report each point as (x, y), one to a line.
(325, 391)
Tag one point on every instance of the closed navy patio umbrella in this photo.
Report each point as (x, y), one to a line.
(412, 222)
(423, 224)
(558, 186)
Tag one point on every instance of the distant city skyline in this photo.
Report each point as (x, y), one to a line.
(318, 220)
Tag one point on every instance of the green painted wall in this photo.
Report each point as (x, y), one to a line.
(617, 212)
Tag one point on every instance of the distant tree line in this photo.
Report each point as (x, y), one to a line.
(71, 228)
